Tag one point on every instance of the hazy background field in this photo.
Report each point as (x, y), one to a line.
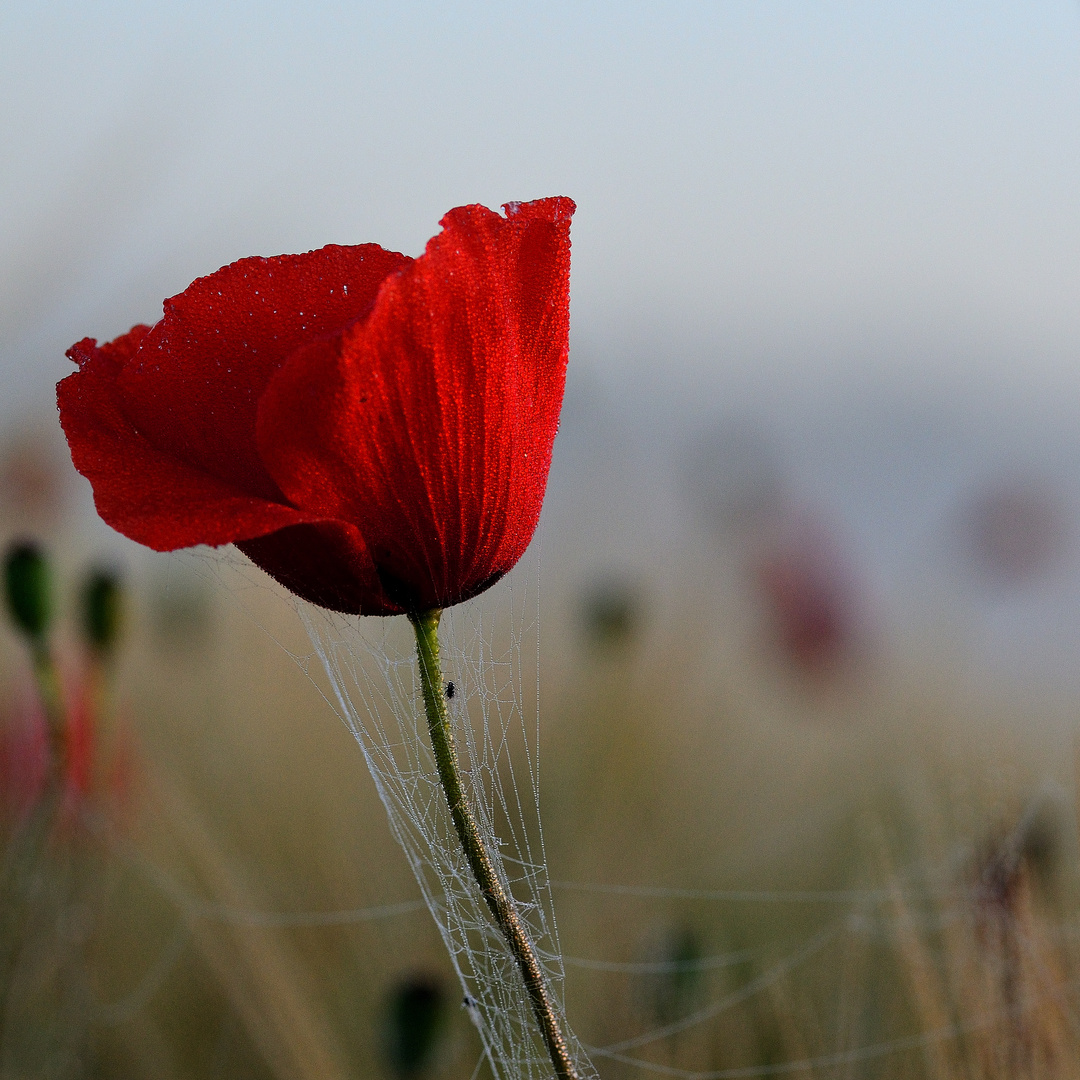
(810, 559)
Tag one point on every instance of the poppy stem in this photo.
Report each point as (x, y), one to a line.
(495, 893)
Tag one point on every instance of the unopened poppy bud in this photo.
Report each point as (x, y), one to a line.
(29, 588)
(102, 609)
(416, 1015)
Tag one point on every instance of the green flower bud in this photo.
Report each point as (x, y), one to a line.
(417, 1012)
(102, 609)
(29, 589)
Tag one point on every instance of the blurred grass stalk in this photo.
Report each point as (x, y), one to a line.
(960, 960)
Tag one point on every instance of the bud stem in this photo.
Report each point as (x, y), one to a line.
(484, 868)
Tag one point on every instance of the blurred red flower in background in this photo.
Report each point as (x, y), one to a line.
(812, 596)
(24, 758)
(88, 775)
(811, 615)
(374, 431)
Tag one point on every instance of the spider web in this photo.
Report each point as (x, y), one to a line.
(492, 697)
(490, 655)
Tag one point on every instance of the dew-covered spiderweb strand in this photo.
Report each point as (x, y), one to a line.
(129, 1005)
(372, 670)
(194, 906)
(483, 860)
(1052, 991)
(198, 907)
(841, 897)
(370, 666)
(808, 949)
(855, 1055)
(662, 967)
(373, 684)
(114, 1013)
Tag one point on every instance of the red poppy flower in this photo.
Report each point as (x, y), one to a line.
(372, 430)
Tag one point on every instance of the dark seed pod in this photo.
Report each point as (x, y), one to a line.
(611, 613)
(102, 609)
(28, 584)
(417, 1011)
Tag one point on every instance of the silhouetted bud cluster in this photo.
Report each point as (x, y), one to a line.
(416, 1015)
(102, 610)
(28, 593)
(611, 612)
(28, 589)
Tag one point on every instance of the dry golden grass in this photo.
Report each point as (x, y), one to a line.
(683, 757)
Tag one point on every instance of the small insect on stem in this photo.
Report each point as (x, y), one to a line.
(472, 1009)
(484, 865)
(450, 691)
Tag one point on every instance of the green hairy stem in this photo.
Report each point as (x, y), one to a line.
(500, 903)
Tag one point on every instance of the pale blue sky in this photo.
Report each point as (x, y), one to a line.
(857, 223)
(774, 197)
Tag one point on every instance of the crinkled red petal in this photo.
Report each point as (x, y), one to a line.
(194, 386)
(142, 491)
(438, 411)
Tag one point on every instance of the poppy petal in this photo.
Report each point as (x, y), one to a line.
(327, 563)
(194, 386)
(146, 493)
(438, 410)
